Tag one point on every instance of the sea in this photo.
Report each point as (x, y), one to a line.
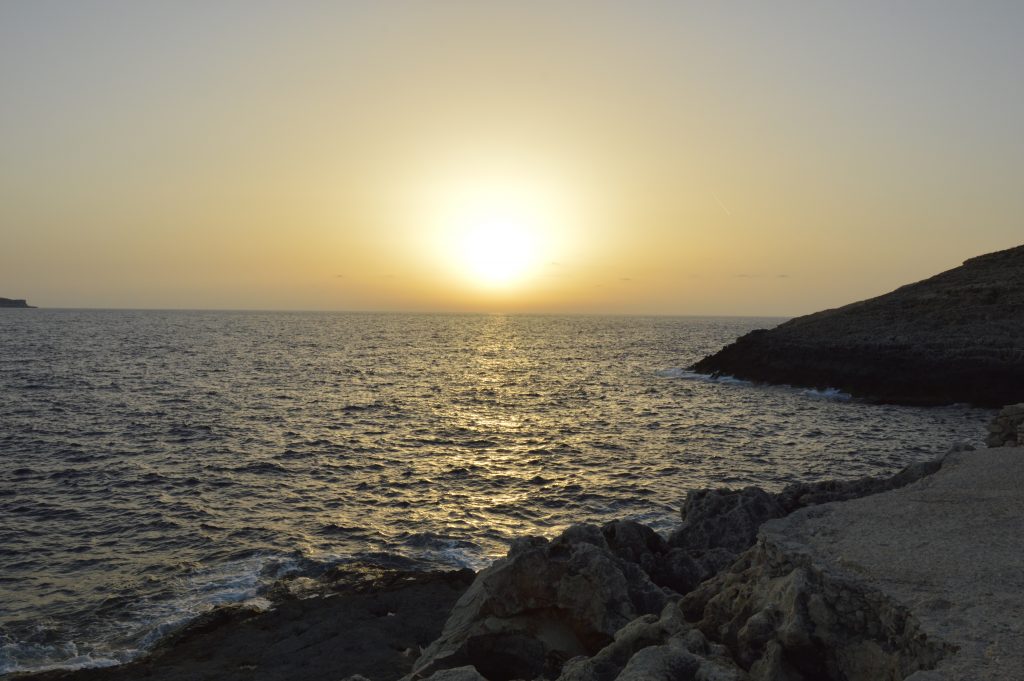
(157, 464)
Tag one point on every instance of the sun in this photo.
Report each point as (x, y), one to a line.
(496, 232)
(499, 250)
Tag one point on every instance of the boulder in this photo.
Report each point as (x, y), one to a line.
(785, 619)
(543, 604)
(724, 519)
(655, 648)
(667, 566)
(457, 674)
(1007, 428)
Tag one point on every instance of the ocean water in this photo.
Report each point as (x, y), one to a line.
(156, 464)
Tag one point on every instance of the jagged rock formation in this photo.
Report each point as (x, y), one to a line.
(14, 302)
(544, 603)
(720, 524)
(652, 648)
(1007, 429)
(785, 618)
(583, 607)
(956, 337)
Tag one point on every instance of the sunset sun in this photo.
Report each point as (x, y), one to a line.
(499, 250)
(495, 233)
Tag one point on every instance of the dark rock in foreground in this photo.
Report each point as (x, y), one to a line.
(1007, 429)
(15, 302)
(543, 604)
(956, 337)
(341, 625)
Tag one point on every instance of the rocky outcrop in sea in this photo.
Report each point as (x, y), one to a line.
(957, 337)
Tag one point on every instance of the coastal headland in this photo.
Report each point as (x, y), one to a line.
(957, 337)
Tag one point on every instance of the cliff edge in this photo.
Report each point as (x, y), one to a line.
(956, 337)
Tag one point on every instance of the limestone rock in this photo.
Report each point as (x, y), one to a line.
(666, 566)
(1007, 429)
(724, 518)
(956, 337)
(655, 648)
(544, 603)
(456, 674)
(785, 619)
(799, 495)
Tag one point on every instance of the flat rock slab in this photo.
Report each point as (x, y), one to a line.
(949, 547)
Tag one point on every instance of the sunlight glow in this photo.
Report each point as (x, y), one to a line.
(499, 249)
(496, 231)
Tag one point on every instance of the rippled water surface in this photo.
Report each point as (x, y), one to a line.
(158, 463)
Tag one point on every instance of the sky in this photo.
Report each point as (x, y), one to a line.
(593, 157)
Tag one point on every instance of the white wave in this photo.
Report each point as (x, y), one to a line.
(18, 656)
(676, 372)
(232, 583)
(235, 582)
(824, 393)
(827, 394)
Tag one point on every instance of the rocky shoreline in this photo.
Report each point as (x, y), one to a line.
(957, 337)
(732, 594)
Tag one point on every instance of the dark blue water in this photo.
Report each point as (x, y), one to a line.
(156, 464)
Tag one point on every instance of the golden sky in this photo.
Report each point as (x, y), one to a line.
(642, 157)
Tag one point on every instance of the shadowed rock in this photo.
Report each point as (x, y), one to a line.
(956, 337)
(544, 603)
(367, 623)
(1007, 428)
(655, 648)
(720, 524)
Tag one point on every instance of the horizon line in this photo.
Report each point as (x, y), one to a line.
(467, 313)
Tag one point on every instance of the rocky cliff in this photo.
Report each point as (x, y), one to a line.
(956, 337)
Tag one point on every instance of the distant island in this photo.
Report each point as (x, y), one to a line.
(15, 302)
